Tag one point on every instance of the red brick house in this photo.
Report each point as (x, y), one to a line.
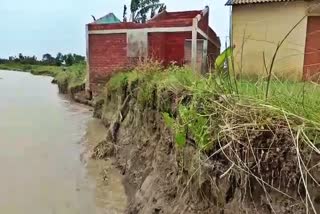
(179, 37)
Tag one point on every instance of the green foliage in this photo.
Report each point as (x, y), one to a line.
(71, 59)
(196, 124)
(169, 121)
(47, 59)
(73, 76)
(179, 131)
(140, 9)
(208, 108)
(180, 138)
(177, 79)
(117, 81)
(27, 67)
(222, 58)
(59, 59)
(191, 122)
(134, 6)
(145, 94)
(298, 98)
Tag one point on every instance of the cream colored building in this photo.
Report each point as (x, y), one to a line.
(259, 26)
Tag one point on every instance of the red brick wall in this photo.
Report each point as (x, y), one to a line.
(174, 44)
(157, 50)
(312, 51)
(168, 47)
(107, 54)
(130, 25)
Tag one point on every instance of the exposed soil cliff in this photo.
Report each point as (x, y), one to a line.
(253, 167)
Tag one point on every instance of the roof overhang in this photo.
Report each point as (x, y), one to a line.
(240, 2)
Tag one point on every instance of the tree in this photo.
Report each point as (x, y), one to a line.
(69, 60)
(48, 59)
(134, 7)
(124, 13)
(59, 59)
(140, 9)
(21, 57)
(32, 60)
(78, 58)
(162, 8)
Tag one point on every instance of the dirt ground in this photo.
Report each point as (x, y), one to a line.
(110, 196)
(161, 178)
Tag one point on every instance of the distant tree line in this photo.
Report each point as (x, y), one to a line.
(47, 59)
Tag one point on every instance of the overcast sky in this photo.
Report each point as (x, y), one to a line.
(34, 27)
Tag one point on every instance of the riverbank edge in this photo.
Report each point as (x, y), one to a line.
(166, 169)
(75, 91)
(162, 178)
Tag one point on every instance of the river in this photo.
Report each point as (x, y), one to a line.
(44, 161)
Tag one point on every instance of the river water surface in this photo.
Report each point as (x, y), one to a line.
(43, 142)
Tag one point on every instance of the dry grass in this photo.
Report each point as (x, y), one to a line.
(273, 141)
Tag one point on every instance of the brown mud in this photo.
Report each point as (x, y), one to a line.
(256, 173)
(110, 195)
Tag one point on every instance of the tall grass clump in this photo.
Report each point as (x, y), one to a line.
(71, 77)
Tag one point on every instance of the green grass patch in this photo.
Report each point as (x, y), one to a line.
(207, 106)
(75, 75)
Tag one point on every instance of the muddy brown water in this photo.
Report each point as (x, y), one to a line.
(44, 153)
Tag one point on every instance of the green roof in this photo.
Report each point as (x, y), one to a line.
(108, 19)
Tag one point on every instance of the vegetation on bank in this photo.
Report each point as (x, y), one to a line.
(298, 99)
(203, 101)
(67, 77)
(68, 70)
(47, 59)
(239, 132)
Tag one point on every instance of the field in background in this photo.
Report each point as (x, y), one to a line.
(66, 77)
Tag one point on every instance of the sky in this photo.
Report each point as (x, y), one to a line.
(35, 27)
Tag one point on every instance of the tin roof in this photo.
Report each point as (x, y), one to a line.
(108, 19)
(235, 2)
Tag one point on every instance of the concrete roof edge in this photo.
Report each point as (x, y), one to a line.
(243, 2)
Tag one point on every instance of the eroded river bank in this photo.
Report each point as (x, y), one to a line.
(47, 143)
(44, 155)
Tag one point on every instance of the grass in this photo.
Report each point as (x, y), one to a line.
(34, 69)
(206, 106)
(233, 125)
(75, 75)
(296, 98)
(71, 76)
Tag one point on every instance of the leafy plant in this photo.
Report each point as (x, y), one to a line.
(179, 131)
(196, 124)
(222, 59)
